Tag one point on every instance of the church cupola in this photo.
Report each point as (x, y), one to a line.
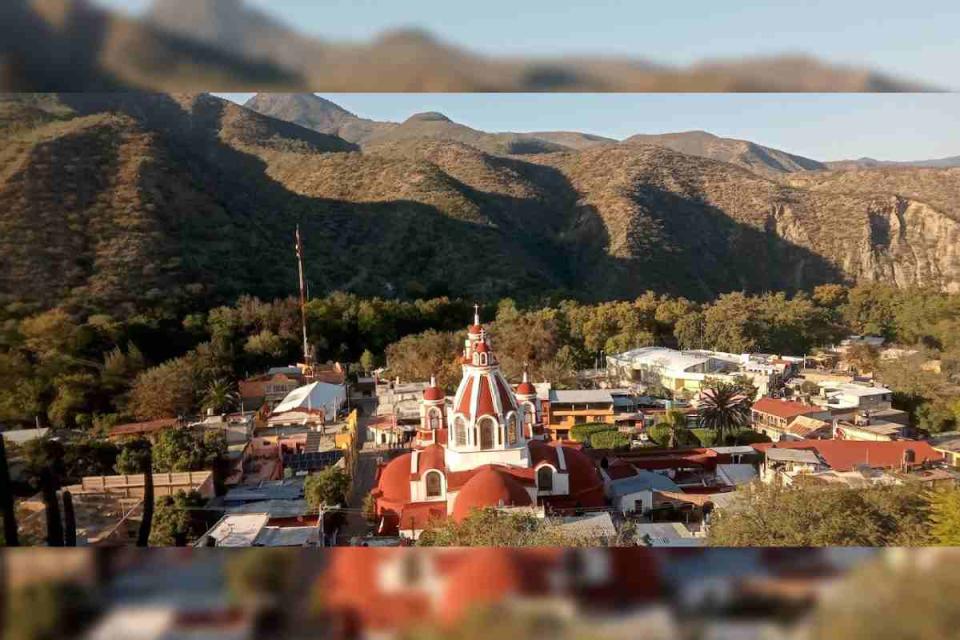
(432, 413)
(485, 414)
(529, 407)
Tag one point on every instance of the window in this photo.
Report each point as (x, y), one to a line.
(545, 479)
(434, 484)
(529, 413)
(487, 427)
(434, 420)
(460, 432)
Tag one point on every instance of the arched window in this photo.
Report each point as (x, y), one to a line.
(460, 432)
(433, 421)
(529, 414)
(511, 427)
(545, 479)
(487, 428)
(434, 484)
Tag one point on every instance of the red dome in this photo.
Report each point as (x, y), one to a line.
(394, 483)
(585, 482)
(433, 393)
(482, 347)
(489, 488)
(475, 329)
(432, 457)
(526, 389)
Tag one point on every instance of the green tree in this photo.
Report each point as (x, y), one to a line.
(945, 517)
(176, 521)
(724, 408)
(132, 455)
(814, 515)
(888, 600)
(492, 527)
(368, 362)
(188, 449)
(264, 578)
(49, 611)
(220, 395)
(609, 439)
(165, 391)
(327, 487)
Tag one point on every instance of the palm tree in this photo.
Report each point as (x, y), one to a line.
(676, 421)
(220, 394)
(724, 408)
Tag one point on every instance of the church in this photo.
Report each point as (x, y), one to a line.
(484, 449)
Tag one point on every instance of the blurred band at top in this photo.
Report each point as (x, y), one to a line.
(240, 45)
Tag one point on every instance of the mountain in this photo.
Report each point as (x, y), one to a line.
(320, 114)
(743, 153)
(229, 45)
(870, 163)
(126, 203)
(73, 45)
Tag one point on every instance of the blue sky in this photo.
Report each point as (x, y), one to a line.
(916, 39)
(819, 126)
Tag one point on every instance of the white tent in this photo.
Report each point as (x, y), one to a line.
(314, 397)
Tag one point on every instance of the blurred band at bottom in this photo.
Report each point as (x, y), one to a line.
(582, 594)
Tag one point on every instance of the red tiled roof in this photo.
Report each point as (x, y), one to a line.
(139, 428)
(845, 455)
(784, 408)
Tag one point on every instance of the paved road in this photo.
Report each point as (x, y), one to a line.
(366, 474)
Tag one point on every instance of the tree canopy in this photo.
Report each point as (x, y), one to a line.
(811, 515)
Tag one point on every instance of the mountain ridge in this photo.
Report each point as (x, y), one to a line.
(132, 201)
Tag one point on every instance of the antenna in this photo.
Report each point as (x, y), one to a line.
(303, 297)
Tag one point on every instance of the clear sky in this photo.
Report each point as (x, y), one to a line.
(916, 39)
(818, 126)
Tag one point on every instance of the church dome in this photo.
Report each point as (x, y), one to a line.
(394, 484)
(489, 488)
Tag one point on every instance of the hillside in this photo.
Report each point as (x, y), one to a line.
(72, 45)
(414, 61)
(319, 114)
(743, 153)
(130, 202)
(870, 163)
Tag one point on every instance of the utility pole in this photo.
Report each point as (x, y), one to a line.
(303, 298)
(323, 539)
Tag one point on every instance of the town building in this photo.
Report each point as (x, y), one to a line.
(683, 373)
(772, 416)
(150, 429)
(785, 461)
(485, 449)
(564, 409)
(867, 426)
(311, 405)
(269, 388)
(255, 530)
(851, 397)
(947, 444)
